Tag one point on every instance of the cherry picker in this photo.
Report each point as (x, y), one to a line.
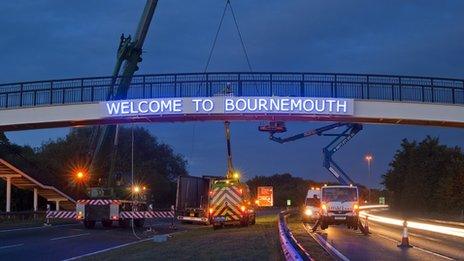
(339, 203)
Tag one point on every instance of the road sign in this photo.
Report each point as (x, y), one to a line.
(382, 200)
(265, 196)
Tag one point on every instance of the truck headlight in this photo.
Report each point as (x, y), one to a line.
(308, 212)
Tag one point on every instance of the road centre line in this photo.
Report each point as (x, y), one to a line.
(10, 246)
(73, 236)
(107, 249)
(33, 228)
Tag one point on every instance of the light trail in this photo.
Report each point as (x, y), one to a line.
(451, 231)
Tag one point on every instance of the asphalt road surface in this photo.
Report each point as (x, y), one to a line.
(66, 241)
(381, 244)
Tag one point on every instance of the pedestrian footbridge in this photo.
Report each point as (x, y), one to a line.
(235, 96)
(15, 177)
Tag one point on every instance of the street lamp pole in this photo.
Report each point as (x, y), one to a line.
(369, 159)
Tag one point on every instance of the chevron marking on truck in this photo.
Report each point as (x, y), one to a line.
(226, 202)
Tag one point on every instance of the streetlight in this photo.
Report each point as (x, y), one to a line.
(369, 159)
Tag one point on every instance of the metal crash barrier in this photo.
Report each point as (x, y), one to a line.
(291, 248)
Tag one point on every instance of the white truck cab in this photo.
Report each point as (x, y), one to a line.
(312, 207)
(339, 205)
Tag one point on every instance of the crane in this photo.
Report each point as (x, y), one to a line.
(129, 54)
(328, 151)
(230, 167)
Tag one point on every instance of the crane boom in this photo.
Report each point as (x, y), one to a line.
(230, 166)
(340, 140)
(128, 56)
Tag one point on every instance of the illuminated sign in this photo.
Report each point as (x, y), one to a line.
(230, 105)
(265, 196)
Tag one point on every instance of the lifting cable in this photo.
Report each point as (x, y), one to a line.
(210, 55)
(242, 42)
(132, 182)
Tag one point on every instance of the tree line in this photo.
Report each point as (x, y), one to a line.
(55, 163)
(426, 176)
(285, 187)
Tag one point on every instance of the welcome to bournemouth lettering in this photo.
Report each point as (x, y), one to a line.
(230, 105)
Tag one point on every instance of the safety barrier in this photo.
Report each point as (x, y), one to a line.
(291, 248)
(297, 84)
(147, 214)
(61, 214)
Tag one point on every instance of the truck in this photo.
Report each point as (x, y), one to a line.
(230, 203)
(339, 205)
(103, 202)
(102, 207)
(192, 199)
(312, 206)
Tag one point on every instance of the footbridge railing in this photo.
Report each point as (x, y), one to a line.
(336, 85)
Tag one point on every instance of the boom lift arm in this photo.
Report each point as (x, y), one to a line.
(340, 140)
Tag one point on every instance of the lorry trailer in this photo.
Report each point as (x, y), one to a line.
(192, 199)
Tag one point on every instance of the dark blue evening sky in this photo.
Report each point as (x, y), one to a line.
(45, 39)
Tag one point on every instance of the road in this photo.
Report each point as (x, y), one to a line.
(66, 241)
(381, 244)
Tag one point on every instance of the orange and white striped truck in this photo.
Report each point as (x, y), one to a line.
(230, 204)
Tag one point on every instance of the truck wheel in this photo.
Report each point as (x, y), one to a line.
(89, 224)
(139, 222)
(244, 222)
(123, 223)
(253, 221)
(107, 223)
(324, 225)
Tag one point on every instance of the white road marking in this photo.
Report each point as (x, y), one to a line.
(433, 253)
(107, 249)
(425, 237)
(387, 238)
(10, 246)
(73, 236)
(33, 228)
(326, 245)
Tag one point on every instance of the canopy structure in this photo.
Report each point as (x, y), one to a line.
(16, 177)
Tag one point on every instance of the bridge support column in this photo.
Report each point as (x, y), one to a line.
(57, 205)
(8, 194)
(35, 199)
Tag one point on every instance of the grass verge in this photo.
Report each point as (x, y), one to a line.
(256, 242)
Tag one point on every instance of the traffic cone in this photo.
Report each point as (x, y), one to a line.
(405, 237)
(366, 226)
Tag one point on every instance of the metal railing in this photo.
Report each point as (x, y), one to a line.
(356, 86)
